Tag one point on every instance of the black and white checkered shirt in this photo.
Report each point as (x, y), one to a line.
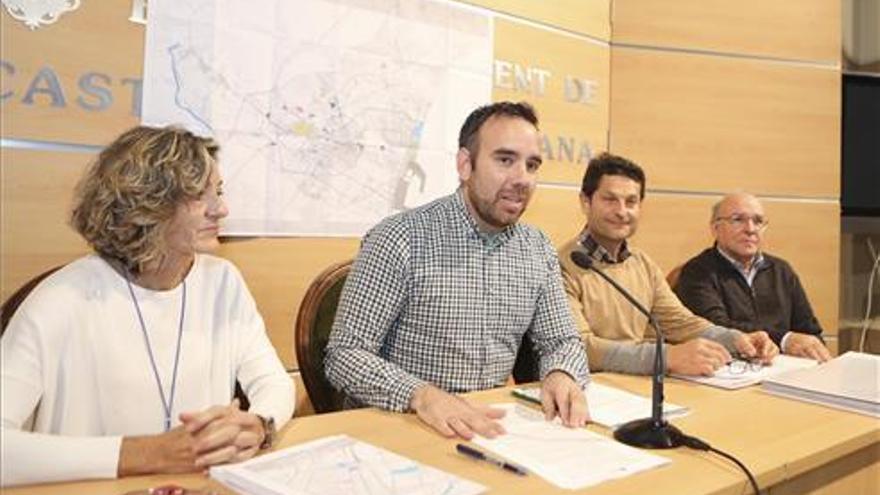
(431, 298)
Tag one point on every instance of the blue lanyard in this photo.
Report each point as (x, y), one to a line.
(167, 405)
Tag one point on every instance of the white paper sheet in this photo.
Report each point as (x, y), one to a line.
(725, 378)
(570, 458)
(612, 407)
(340, 465)
(850, 381)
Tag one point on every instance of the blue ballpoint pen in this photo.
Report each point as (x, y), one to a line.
(482, 456)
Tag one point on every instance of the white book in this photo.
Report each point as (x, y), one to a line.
(610, 406)
(850, 381)
(727, 378)
(570, 458)
(339, 465)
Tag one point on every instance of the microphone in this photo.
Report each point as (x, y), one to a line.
(654, 432)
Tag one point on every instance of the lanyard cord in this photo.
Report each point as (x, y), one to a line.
(167, 405)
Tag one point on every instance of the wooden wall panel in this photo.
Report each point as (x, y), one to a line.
(95, 47)
(675, 227)
(706, 96)
(791, 29)
(36, 191)
(589, 17)
(278, 272)
(573, 129)
(556, 211)
(701, 123)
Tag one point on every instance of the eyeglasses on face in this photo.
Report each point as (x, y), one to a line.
(741, 221)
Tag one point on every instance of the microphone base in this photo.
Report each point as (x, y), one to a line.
(646, 434)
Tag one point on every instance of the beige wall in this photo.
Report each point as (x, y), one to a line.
(37, 186)
(713, 97)
(708, 96)
(807, 30)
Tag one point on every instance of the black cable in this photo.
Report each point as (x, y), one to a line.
(741, 466)
(697, 444)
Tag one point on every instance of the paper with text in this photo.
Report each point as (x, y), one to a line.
(570, 458)
(850, 381)
(725, 378)
(340, 465)
(611, 406)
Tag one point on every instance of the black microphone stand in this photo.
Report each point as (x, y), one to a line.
(654, 432)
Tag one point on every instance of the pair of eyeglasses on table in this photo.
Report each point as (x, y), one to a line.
(742, 364)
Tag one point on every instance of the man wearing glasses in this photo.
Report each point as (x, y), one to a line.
(735, 284)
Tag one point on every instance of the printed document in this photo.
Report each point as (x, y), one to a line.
(611, 407)
(731, 378)
(339, 465)
(570, 458)
(850, 381)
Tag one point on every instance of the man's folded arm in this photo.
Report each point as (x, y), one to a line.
(373, 296)
(724, 336)
(370, 379)
(627, 357)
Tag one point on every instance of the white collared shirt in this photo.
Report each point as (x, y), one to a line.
(747, 273)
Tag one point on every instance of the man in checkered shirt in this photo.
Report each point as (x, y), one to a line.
(439, 297)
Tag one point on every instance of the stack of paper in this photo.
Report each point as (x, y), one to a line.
(570, 458)
(725, 378)
(850, 381)
(339, 465)
(611, 406)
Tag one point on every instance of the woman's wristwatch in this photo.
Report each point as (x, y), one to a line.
(268, 431)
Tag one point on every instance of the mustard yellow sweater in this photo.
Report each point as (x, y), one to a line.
(614, 332)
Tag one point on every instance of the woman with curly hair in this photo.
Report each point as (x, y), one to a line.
(125, 361)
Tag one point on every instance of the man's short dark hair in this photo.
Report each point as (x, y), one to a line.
(608, 164)
(468, 137)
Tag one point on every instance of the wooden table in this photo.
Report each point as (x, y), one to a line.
(791, 447)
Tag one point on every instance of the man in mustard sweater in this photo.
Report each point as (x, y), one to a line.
(615, 333)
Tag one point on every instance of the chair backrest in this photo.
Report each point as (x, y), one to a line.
(313, 325)
(672, 278)
(11, 304)
(525, 368)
